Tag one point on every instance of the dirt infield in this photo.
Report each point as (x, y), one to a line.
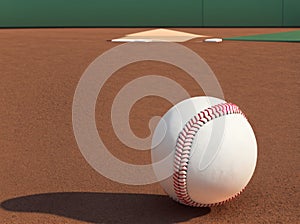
(44, 177)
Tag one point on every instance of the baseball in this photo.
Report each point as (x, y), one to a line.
(213, 150)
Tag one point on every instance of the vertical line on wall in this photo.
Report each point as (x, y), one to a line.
(282, 14)
(203, 24)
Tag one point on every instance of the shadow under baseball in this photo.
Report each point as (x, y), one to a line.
(106, 207)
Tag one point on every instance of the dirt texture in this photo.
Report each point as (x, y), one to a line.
(45, 178)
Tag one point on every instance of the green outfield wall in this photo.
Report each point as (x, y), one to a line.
(243, 12)
(146, 13)
(291, 12)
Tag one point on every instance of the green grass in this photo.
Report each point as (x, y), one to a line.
(291, 36)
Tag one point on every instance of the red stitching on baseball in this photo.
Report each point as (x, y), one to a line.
(184, 146)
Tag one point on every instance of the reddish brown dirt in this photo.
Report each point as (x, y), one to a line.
(44, 177)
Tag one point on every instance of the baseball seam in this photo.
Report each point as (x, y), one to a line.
(183, 149)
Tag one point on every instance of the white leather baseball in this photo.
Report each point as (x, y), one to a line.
(213, 148)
